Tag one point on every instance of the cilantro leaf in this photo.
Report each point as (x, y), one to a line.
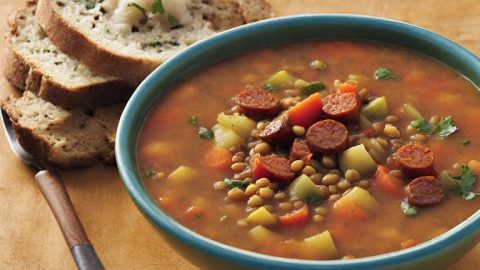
(269, 87)
(231, 183)
(151, 173)
(313, 87)
(157, 6)
(193, 120)
(465, 182)
(465, 142)
(173, 22)
(139, 8)
(408, 210)
(205, 133)
(384, 74)
(446, 127)
(312, 198)
(423, 126)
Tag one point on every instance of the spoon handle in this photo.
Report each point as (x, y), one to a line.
(52, 188)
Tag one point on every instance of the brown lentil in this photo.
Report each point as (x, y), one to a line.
(285, 206)
(344, 185)
(298, 131)
(329, 161)
(266, 193)
(296, 165)
(434, 119)
(419, 137)
(316, 178)
(261, 125)
(397, 173)
(251, 190)
(363, 93)
(243, 175)
(410, 130)
(220, 185)
(391, 131)
(330, 179)
(238, 167)
(309, 170)
(321, 210)
(236, 194)
(274, 186)
(299, 84)
(335, 171)
(315, 164)
(262, 148)
(255, 201)
(334, 197)
(374, 154)
(332, 189)
(378, 126)
(298, 204)
(318, 218)
(384, 143)
(391, 119)
(237, 158)
(364, 183)
(322, 191)
(292, 92)
(352, 175)
(252, 144)
(263, 182)
(280, 196)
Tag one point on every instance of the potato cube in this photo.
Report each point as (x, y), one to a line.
(263, 217)
(240, 124)
(376, 109)
(182, 175)
(280, 79)
(301, 187)
(261, 234)
(225, 137)
(360, 197)
(357, 158)
(323, 244)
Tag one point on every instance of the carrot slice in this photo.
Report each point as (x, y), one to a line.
(218, 159)
(391, 185)
(347, 87)
(306, 112)
(296, 218)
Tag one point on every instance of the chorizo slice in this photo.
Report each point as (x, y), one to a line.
(275, 168)
(327, 136)
(278, 132)
(258, 104)
(300, 150)
(343, 107)
(414, 160)
(424, 191)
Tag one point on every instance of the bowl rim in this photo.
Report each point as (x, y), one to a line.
(129, 126)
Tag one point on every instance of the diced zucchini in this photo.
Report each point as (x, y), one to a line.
(411, 112)
(263, 217)
(359, 159)
(301, 187)
(376, 109)
(280, 79)
(261, 234)
(446, 180)
(364, 122)
(225, 137)
(240, 124)
(323, 244)
(182, 174)
(360, 197)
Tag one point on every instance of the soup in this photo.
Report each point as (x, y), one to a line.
(316, 150)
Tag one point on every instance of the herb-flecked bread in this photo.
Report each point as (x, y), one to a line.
(33, 63)
(129, 39)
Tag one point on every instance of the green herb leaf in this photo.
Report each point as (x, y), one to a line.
(408, 210)
(157, 7)
(423, 126)
(313, 87)
(231, 183)
(465, 142)
(193, 120)
(173, 22)
(151, 173)
(205, 133)
(465, 183)
(318, 65)
(269, 87)
(139, 8)
(89, 4)
(155, 44)
(384, 74)
(312, 198)
(446, 127)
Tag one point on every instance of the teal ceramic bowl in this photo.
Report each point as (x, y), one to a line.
(434, 254)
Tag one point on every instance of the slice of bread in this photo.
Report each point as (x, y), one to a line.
(33, 63)
(65, 139)
(130, 40)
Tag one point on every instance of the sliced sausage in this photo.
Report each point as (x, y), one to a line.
(300, 150)
(424, 191)
(343, 107)
(414, 160)
(258, 103)
(278, 132)
(327, 136)
(275, 168)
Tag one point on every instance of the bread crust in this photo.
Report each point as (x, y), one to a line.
(99, 59)
(24, 75)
